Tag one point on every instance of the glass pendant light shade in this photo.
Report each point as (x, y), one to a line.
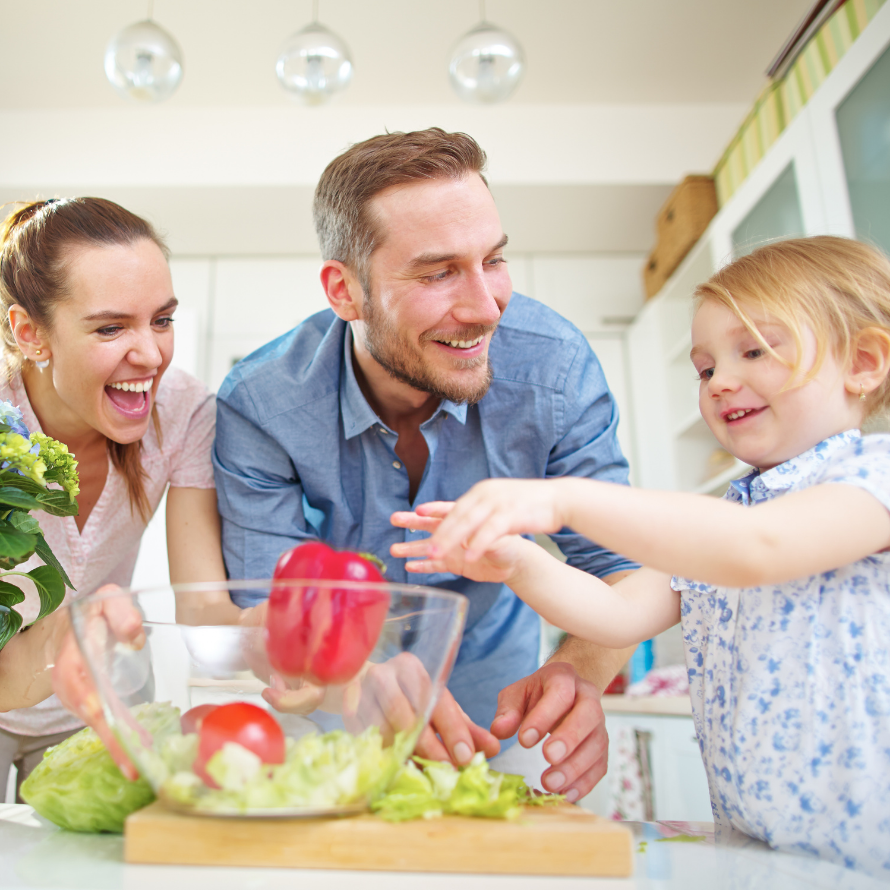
(486, 64)
(314, 64)
(144, 63)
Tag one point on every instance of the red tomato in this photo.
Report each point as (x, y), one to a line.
(192, 719)
(251, 727)
(324, 634)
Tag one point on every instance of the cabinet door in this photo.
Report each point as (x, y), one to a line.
(863, 126)
(776, 215)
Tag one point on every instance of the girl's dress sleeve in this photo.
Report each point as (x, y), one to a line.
(864, 463)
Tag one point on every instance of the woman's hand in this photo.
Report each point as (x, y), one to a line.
(72, 682)
(497, 564)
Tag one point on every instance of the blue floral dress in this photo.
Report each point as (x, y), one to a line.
(790, 682)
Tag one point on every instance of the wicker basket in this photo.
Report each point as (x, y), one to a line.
(680, 223)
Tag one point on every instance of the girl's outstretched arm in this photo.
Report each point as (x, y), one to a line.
(793, 536)
(636, 608)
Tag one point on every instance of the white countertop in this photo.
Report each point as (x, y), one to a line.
(666, 705)
(35, 854)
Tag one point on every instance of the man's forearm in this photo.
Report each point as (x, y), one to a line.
(596, 664)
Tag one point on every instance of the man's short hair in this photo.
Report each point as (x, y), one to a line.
(347, 230)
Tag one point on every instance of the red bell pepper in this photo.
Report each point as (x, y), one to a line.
(324, 633)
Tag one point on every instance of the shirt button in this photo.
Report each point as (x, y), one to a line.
(397, 465)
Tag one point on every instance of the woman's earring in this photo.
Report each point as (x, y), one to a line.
(45, 363)
(861, 393)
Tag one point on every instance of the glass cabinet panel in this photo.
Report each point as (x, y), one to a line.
(863, 123)
(776, 215)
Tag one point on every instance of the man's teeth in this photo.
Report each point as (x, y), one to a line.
(144, 386)
(464, 344)
(737, 414)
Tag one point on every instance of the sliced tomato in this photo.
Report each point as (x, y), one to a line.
(248, 725)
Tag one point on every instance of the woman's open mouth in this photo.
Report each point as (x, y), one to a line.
(131, 398)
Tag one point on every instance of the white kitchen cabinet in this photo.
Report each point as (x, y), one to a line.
(679, 783)
(831, 160)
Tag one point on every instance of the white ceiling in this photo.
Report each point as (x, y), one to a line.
(578, 51)
(620, 100)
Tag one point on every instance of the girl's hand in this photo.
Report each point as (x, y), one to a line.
(497, 565)
(490, 511)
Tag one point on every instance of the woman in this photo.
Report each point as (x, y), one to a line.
(87, 327)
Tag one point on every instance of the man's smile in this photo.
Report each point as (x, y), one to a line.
(461, 344)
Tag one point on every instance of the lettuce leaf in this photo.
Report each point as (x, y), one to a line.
(79, 787)
(440, 788)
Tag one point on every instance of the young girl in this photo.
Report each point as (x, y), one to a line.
(785, 608)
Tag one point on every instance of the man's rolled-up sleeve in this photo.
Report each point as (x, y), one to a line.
(259, 492)
(586, 417)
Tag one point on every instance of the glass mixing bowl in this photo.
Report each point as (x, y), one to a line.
(343, 741)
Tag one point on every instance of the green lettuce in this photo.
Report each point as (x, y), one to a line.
(79, 787)
(439, 788)
(319, 772)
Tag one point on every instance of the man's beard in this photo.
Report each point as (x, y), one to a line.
(390, 350)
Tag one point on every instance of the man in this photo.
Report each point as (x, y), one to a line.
(425, 377)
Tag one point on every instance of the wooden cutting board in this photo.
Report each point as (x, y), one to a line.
(554, 840)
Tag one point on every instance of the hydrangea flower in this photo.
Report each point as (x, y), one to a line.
(20, 455)
(12, 417)
(61, 462)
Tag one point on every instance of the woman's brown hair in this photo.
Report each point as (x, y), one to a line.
(34, 243)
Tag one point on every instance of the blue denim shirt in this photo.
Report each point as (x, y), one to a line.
(300, 454)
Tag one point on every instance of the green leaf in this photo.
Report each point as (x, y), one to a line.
(57, 502)
(23, 483)
(15, 546)
(46, 554)
(15, 497)
(10, 622)
(23, 522)
(50, 587)
(10, 595)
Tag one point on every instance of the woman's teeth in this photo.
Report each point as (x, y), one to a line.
(463, 344)
(144, 386)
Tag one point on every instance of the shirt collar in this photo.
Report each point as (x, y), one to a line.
(755, 485)
(359, 416)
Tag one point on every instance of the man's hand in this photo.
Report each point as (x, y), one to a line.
(391, 696)
(556, 700)
(72, 682)
(451, 735)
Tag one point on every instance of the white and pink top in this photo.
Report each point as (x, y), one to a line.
(105, 551)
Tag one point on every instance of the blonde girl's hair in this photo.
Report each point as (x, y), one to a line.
(35, 241)
(837, 287)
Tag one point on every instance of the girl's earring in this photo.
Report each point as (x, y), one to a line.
(861, 393)
(45, 363)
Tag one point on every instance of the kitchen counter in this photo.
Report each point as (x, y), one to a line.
(670, 705)
(35, 854)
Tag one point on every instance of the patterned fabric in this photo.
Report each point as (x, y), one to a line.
(790, 682)
(105, 551)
